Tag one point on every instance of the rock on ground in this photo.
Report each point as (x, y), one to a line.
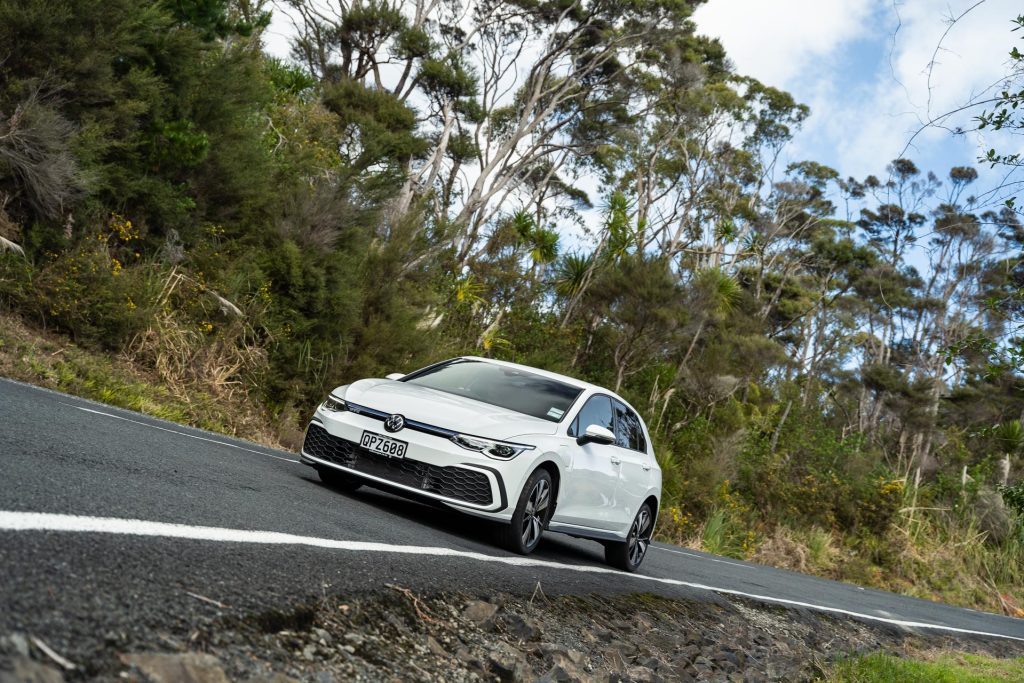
(401, 636)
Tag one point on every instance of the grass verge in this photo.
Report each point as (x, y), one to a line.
(49, 360)
(944, 667)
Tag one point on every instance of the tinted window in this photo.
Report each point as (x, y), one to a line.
(596, 411)
(628, 432)
(509, 388)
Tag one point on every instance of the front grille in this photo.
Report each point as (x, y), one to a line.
(451, 482)
(322, 445)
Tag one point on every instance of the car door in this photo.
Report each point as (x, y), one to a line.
(587, 496)
(634, 463)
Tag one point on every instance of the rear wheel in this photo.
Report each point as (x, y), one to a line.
(532, 513)
(338, 480)
(627, 555)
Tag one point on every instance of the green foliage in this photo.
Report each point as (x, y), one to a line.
(91, 290)
(216, 18)
(448, 79)
(179, 144)
(1010, 437)
(945, 668)
(379, 131)
(1005, 113)
(814, 478)
(571, 273)
(718, 535)
(1014, 497)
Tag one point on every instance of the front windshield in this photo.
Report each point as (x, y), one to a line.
(510, 388)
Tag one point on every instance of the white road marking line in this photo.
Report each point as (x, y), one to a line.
(42, 521)
(701, 557)
(175, 431)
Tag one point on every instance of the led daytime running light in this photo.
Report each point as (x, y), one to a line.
(334, 405)
(492, 449)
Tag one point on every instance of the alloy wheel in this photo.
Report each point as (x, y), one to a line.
(640, 536)
(535, 512)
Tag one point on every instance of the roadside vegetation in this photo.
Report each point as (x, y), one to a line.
(829, 366)
(52, 361)
(939, 668)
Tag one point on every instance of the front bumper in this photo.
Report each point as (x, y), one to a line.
(335, 443)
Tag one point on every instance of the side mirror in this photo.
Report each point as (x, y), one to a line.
(596, 434)
(394, 375)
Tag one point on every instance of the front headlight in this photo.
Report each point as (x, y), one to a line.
(499, 450)
(334, 405)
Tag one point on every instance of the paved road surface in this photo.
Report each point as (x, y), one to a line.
(109, 520)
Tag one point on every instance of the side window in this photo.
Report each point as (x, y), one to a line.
(628, 432)
(596, 411)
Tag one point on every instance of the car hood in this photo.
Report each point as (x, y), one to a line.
(442, 409)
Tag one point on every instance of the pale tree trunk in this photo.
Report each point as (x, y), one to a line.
(491, 329)
(778, 429)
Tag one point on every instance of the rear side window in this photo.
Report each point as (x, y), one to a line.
(596, 411)
(628, 431)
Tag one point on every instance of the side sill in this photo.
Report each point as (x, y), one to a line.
(585, 532)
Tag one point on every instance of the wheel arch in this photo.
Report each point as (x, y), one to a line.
(655, 505)
(556, 479)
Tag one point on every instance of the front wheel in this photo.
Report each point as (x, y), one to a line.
(627, 555)
(338, 480)
(532, 513)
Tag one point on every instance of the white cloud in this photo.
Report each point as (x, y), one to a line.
(776, 42)
(935, 67)
(278, 36)
(867, 103)
(969, 58)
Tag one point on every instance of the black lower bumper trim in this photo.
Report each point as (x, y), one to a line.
(456, 483)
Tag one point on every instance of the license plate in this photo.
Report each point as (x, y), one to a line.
(384, 445)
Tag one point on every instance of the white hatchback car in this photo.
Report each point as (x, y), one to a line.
(531, 449)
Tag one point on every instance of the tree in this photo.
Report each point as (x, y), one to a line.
(641, 308)
(1002, 113)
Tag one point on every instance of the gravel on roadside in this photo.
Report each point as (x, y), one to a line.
(395, 634)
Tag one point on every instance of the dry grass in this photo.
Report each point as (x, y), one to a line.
(944, 559)
(51, 361)
(185, 360)
(187, 356)
(812, 551)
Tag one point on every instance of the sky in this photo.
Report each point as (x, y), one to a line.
(872, 71)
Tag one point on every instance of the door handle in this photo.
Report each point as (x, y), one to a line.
(615, 460)
(647, 468)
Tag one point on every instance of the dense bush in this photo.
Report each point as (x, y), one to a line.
(1014, 497)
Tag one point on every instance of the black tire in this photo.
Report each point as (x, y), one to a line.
(338, 480)
(629, 554)
(536, 504)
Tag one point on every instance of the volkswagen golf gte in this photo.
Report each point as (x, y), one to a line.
(530, 449)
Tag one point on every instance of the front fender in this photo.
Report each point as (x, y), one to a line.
(556, 456)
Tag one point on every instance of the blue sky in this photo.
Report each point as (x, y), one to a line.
(863, 66)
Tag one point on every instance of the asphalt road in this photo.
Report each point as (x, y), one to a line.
(87, 569)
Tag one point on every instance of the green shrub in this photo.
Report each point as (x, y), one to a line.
(727, 533)
(97, 290)
(1014, 497)
(815, 477)
(946, 668)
